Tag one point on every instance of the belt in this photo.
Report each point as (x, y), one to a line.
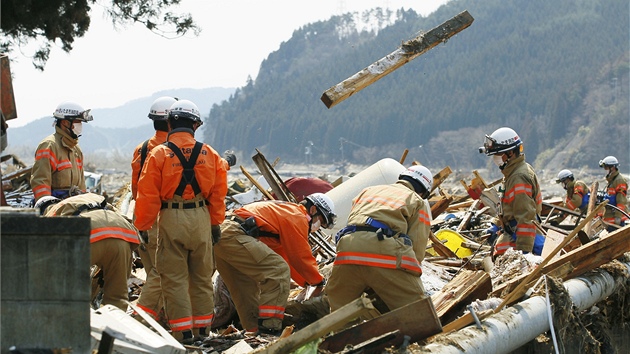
(180, 205)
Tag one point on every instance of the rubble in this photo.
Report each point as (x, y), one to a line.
(459, 276)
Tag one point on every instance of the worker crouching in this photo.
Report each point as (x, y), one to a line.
(384, 243)
(263, 246)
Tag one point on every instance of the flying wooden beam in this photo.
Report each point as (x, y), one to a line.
(408, 51)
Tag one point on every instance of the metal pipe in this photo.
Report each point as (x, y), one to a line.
(515, 326)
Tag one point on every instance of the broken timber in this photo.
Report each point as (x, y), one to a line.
(408, 51)
(418, 320)
(326, 324)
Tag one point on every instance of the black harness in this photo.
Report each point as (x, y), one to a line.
(188, 175)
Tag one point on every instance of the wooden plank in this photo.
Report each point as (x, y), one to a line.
(466, 287)
(440, 177)
(583, 259)
(404, 156)
(408, 51)
(276, 184)
(520, 288)
(440, 248)
(463, 225)
(591, 205)
(256, 184)
(418, 320)
(329, 323)
(440, 206)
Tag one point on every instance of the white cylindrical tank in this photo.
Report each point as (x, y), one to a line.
(385, 171)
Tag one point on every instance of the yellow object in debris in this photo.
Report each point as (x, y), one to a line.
(453, 242)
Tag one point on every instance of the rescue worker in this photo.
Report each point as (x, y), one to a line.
(521, 200)
(384, 242)
(616, 193)
(58, 167)
(263, 246)
(577, 192)
(185, 183)
(112, 240)
(151, 296)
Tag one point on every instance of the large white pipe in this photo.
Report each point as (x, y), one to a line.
(517, 325)
(385, 171)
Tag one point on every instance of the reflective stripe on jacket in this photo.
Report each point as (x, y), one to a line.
(617, 192)
(291, 222)
(577, 196)
(521, 201)
(162, 174)
(104, 223)
(56, 166)
(402, 210)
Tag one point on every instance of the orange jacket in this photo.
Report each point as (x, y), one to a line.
(290, 221)
(155, 140)
(162, 173)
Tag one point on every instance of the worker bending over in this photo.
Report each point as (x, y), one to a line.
(263, 246)
(384, 242)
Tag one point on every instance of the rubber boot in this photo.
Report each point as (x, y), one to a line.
(201, 333)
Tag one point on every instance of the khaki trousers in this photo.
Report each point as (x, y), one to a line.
(151, 296)
(395, 287)
(254, 274)
(114, 258)
(185, 266)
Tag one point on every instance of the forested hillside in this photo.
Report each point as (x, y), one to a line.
(555, 71)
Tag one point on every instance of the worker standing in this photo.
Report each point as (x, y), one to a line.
(577, 192)
(58, 167)
(616, 192)
(184, 182)
(151, 296)
(263, 246)
(112, 240)
(521, 200)
(384, 242)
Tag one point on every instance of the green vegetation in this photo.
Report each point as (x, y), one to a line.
(547, 69)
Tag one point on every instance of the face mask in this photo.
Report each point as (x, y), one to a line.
(77, 128)
(498, 160)
(315, 225)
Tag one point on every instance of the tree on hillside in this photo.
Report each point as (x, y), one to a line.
(49, 21)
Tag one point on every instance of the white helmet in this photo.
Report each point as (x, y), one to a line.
(564, 174)
(502, 140)
(159, 108)
(421, 175)
(609, 161)
(185, 109)
(44, 202)
(325, 206)
(72, 111)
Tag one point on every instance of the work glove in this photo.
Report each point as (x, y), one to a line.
(216, 234)
(229, 156)
(618, 221)
(493, 232)
(319, 289)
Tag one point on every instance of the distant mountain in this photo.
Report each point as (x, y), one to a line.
(134, 113)
(114, 132)
(541, 67)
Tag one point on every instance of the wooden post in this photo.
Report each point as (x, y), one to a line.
(329, 323)
(407, 52)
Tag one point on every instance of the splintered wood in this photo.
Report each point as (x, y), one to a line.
(407, 52)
